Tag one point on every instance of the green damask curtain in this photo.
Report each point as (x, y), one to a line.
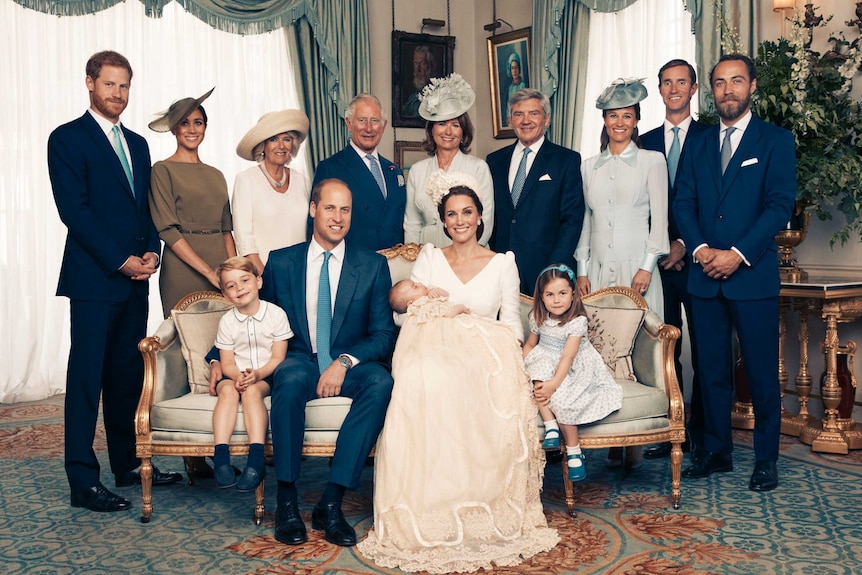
(328, 37)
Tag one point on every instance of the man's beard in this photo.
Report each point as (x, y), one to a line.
(733, 109)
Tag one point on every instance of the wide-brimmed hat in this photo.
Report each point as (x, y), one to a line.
(446, 98)
(177, 112)
(622, 93)
(272, 124)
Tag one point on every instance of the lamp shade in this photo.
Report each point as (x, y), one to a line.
(783, 5)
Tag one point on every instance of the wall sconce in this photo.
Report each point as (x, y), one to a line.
(783, 6)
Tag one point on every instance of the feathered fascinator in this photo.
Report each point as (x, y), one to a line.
(622, 93)
(440, 182)
(446, 98)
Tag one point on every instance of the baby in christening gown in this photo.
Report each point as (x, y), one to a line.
(408, 292)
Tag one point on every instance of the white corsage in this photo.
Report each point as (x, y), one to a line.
(440, 182)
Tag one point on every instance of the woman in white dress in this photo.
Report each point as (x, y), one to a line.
(448, 135)
(625, 225)
(625, 190)
(270, 201)
(459, 466)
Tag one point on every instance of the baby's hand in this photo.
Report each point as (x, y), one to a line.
(437, 293)
(457, 309)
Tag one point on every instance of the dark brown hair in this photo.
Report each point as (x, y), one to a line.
(106, 58)
(461, 191)
(552, 272)
(604, 139)
(430, 146)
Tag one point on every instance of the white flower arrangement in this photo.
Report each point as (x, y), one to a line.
(440, 182)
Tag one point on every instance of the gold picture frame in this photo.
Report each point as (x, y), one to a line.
(503, 51)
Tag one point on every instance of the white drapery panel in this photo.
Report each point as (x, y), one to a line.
(634, 42)
(43, 65)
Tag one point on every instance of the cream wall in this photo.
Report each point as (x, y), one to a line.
(471, 61)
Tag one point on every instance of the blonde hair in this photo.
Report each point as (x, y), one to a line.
(240, 263)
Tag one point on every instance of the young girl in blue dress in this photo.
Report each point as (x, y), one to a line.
(571, 383)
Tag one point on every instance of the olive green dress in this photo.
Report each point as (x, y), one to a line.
(188, 201)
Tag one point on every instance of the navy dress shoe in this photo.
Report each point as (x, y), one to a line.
(765, 476)
(250, 479)
(224, 476)
(99, 499)
(327, 517)
(289, 528)
(134, 478)
(708, 464)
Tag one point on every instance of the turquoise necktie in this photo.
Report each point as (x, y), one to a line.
(324, 315)
(673, 155)
(378, 175)
(520, 178)
(121, 153)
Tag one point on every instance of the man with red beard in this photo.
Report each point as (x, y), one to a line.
(100, 174)
(736, 189)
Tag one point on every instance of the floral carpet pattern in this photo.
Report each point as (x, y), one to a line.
(810, 525)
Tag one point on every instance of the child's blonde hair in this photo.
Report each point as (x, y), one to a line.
(552, 272)
(240, 263)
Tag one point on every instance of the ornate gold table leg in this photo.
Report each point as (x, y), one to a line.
(794, 424)
(742, 412)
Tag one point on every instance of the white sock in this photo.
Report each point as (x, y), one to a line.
(576, 450)
(552, 424)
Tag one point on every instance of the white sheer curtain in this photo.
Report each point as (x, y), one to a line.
(634, 42)
(43, 70)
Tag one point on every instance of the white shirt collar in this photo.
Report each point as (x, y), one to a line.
(104, 123)
(363, 153)
(534, 147)
(261, 311)
(683, 126)
(315, 250)
(740, 124)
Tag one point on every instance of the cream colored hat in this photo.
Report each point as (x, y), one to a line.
(169, 119)
(446, 98)
(622, 93)
(272, 124)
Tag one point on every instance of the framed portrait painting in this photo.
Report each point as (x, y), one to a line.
(509, 63)
(408, 153)
(416, 59)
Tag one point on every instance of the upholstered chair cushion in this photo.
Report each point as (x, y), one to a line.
(197, 329)
(612, 331)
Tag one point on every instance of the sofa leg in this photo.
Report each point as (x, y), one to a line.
(146, 489)
(675, 472)
(258, 503)
(567, 485)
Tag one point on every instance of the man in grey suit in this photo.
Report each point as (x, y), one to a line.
(100, 175)
(538, 192)
(677, 84)
(736, 190)
(335, 295)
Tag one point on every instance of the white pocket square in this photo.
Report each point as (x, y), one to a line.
(545, 178)
(749, 162)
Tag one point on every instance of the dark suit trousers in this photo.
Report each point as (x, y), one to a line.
(103, 360)
(295, 384)
(756, 324)
(676, 298)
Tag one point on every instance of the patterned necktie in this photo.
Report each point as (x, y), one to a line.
(121, 153)
(378, 175)
(520, 178)
(726, 151)
(324, 316)
(673, 155)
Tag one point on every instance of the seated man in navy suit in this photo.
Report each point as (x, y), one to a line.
(378, 186)
(335, 295)
(538, 192)
(736, 190)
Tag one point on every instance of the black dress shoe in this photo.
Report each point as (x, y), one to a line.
(134, 478)
(327, 517)
(765, 476)
(708, 464)
(250, 479)
(289, 528)
(99, 499)
(657, 451)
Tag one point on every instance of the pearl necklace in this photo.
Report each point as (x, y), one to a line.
(272, 181)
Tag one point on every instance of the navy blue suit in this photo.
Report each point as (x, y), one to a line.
(675, 284)
(106, 224)
(362, 326)
(546, 225)
(376, 223)
(744, 208)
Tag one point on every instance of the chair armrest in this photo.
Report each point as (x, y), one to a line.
(652, 359)
(165, 372)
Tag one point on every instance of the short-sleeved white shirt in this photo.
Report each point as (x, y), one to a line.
(251, 337)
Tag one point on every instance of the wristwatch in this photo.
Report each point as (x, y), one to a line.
(345, 361)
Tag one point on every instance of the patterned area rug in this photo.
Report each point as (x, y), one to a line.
(810, 525)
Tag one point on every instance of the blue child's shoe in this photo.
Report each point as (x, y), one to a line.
(577, 472)
(224, 476)
(551, 440)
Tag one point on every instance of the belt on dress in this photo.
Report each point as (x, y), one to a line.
(200, 232)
